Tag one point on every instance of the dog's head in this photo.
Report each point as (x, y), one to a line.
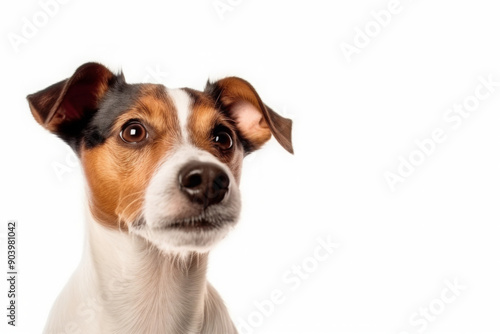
(160, 163)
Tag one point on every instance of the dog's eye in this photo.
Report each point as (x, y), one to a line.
(223, 140)
(133, 133)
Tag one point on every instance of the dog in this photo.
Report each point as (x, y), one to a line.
(162, 168)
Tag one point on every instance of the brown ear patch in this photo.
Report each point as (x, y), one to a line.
(67, 107)
(119, 173)
(71, 100)
(254, 119)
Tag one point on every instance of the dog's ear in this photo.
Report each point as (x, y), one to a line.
(255, 121)
(65, 107)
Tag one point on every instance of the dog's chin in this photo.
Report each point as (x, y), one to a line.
(184, 235)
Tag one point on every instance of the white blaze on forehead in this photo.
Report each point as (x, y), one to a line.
(183, 104)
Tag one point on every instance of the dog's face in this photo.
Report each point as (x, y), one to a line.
(160, 163)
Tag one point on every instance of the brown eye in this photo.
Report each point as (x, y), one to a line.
(133, 133)
(223, 140)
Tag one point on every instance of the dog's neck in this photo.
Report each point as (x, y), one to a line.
(143, 290)
(124, 285)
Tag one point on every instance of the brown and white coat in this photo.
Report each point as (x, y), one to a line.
(144, 266)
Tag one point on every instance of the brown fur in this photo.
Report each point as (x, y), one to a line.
(118, 173)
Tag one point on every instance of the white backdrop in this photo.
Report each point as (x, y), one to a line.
(386, 218)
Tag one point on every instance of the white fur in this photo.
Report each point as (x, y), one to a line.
(182, 104)
(125, 285)
(165, 204)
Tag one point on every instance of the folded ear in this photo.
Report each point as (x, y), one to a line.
(65, 107)
(255, 121)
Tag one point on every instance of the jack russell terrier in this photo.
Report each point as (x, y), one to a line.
(162, 169)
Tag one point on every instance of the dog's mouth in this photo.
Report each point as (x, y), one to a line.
(199, 223)
(189, 230)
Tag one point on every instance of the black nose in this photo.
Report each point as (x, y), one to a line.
(203, 183)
